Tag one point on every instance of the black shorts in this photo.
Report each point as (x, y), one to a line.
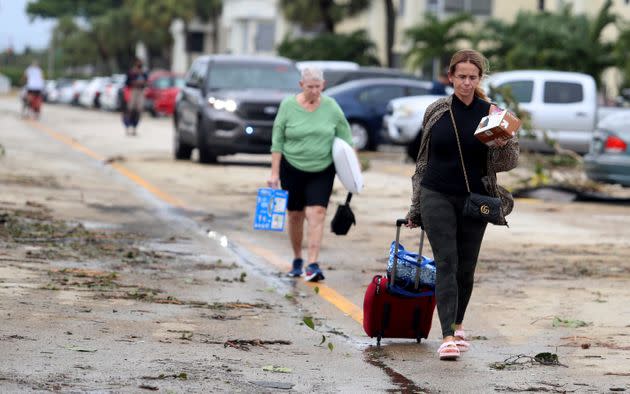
(306, 188)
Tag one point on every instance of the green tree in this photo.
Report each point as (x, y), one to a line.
(544, 40)
(59, 8)
(622, 52)
(74, 43)
(435, 40)
(153, 18)
(355, 47)
(324, 14)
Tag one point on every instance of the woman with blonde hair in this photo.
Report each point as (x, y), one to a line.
(452, 163)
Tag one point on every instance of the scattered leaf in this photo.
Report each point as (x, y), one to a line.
(275, 368)
(309, 322)
(330, 346)
(80, 349)
(559, 322)
(323, 340)
(316, 289)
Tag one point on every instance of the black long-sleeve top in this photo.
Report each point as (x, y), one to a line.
(444, 169)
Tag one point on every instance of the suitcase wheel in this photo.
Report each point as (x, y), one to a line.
(378, 341)
(418, 340)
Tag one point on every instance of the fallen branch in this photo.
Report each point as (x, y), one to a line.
(522, 360)
(244, 344)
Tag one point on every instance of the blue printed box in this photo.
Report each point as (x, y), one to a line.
(271, 205)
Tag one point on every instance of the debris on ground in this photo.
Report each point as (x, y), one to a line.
(521, 361)
(244, 344)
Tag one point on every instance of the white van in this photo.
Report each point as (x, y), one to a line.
(563, 104)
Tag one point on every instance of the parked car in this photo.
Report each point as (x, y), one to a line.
(338, 76)
(562, 104)
(162, 89)
(111, 97)
(325, 65)
(90, 95)
(364, 103)
(69, 94)
(229, 103)
(402, 123)
(608, 159)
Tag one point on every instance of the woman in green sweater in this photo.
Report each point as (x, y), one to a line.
(301, 161)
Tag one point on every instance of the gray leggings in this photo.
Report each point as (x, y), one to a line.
(455, 241)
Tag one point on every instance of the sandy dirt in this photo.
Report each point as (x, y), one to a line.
(105, 287)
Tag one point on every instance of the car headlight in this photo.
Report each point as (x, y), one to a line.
(223, 105)
(405, 111)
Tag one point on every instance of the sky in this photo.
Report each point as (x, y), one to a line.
(18, 31)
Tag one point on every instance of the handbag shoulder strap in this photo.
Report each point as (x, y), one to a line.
(459, 147)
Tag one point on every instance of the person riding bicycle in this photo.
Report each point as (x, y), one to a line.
(34, 86)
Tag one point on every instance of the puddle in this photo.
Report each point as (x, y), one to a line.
(372, 355)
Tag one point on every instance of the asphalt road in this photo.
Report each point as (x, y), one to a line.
(559, 265)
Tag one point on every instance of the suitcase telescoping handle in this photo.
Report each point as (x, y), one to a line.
(399, 223)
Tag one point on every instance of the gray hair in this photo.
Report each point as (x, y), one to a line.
(312, 74)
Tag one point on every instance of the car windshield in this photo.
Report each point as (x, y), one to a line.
(164, 83)
(234, 76)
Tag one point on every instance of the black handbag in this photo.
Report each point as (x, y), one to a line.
(483, 207)
(477, 206)
(343, 219)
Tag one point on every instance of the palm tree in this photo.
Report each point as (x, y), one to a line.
(326, 14)
(435, 40)
(551, 40)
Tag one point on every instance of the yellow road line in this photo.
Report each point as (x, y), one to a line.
(117, 166)
(326, 292)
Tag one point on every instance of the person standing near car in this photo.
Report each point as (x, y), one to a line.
(34, 77)
(440, 190)
(136, 82)
(301, 161)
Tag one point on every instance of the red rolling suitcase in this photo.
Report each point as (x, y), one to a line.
(387, 313)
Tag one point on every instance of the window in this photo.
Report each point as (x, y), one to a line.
(563, 92)
(415, 91)
(454, 6)
(194, 42)
(475, 7)
(520, 90)
(541, 5)
(401, 8)
(380, 94)
(240, 76)
(197, 73)
(265, 35)
(481, 7)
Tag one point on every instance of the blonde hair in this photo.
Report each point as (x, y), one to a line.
(312, 74)
(477, 59)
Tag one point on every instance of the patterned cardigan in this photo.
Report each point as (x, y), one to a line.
(500, 159)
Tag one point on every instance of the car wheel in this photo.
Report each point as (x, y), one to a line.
(206, 155)
(360, 136)
(181, 150)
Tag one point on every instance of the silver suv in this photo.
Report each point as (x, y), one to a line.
(229, 103)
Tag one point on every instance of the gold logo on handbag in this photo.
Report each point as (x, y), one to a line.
(484, 209)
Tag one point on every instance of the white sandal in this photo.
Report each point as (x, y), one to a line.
(461, 344)
(448, 351)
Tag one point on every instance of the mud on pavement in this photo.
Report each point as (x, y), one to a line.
(104, 290)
